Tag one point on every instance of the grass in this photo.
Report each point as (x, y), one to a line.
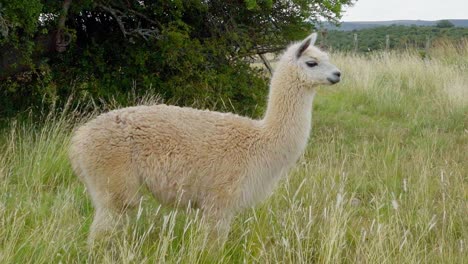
(383, 180)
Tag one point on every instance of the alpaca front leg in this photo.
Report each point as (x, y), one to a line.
(104, 224)
(219, 226)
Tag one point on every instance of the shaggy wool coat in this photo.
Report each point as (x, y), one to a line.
(219, 162)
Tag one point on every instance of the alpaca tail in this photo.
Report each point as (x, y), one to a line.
(75, 154)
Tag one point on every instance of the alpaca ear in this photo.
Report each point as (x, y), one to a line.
(310, 40)
(313, 38)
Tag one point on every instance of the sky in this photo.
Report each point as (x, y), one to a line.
(381, 10)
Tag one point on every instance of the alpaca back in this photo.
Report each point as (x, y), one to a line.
(170, 149)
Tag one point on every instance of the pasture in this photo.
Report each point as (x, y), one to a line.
(383, 180)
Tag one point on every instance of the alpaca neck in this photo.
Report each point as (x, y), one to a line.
(284, 132)
(288, 116)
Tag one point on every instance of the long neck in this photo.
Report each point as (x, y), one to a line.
(289, 112)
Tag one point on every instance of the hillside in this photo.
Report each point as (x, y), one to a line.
(349, 26)
(400, 37)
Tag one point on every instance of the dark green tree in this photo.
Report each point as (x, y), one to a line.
(444, 24)
(188, 51)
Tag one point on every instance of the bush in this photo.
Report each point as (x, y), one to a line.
(187, 51)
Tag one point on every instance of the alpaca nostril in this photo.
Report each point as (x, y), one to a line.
(337, 73)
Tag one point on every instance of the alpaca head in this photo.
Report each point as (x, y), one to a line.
(313, 64)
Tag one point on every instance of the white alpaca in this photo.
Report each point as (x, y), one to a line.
(219, 162)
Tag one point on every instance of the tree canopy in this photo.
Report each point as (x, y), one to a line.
(183, 50)
(444, 24)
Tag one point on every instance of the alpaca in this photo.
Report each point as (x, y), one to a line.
(218, 162)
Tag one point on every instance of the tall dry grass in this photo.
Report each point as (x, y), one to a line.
(383, 180)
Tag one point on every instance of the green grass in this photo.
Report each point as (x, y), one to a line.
(384, 180)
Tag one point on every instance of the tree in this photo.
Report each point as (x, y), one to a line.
(444, 24)
(186, 50)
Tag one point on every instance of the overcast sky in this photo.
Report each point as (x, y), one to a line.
(380, 10)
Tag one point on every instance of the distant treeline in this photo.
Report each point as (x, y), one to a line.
(400, 37)
(358, 25)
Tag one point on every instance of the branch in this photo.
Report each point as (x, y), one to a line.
(4, 26)
(266, 63)
(145, 33)
(63, 38)
(113, 12)
(154, 22)
(264, 50)
(63, 16)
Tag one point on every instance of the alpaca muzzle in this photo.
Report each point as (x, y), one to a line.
(336, 77)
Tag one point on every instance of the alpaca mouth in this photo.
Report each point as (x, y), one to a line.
(333, 80)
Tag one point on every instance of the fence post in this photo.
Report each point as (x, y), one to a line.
(387, 42)
(323, 38)
(355, 42)
(428, 44)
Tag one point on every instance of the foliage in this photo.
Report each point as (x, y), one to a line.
(189, 52)
(401, 37)
(444, 24)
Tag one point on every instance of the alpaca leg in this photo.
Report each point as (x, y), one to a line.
(108, 220)
(104, 223)
(221, 231)
(219, 224)
(112, 199)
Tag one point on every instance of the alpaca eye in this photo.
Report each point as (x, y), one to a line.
(311, 63)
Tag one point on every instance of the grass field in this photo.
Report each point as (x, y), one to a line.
(383, 180)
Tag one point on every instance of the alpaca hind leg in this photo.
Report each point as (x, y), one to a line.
(219, 225)
(112, 199)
